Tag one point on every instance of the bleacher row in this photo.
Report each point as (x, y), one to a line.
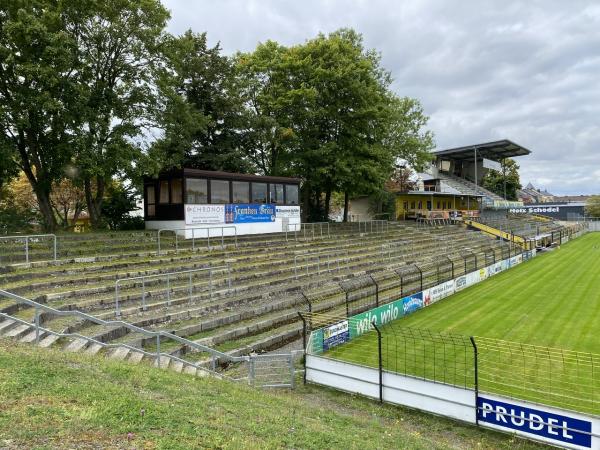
(259, 312)
(526, 226)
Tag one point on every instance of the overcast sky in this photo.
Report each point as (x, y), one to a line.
(524, 70)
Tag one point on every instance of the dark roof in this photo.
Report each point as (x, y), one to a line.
(225, 176)
(495, 151)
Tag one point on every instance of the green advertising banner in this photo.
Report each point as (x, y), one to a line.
(362, 323)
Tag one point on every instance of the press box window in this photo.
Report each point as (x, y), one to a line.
(164, 192)
(150, 201)
(219, 191)
(259, 192)
(276, 193)
(241, 191)
(176, 191)
(291, 194)
(196, 191)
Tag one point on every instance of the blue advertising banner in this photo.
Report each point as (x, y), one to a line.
(548, 425)
(412, 303)
(249, 213)
(335, 335)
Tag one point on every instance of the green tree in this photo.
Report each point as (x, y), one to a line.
(592, 206)
(202, 114)
(323, 111)
(39, 97)
(119, 43)
(506, 180)
(117, 206)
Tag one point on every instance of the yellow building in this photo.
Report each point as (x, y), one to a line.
(436, 205)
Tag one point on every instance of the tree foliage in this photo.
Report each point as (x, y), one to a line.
(494, 180)
(201, 112)
(592, 206)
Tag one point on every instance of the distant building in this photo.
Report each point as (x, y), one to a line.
(530, 194)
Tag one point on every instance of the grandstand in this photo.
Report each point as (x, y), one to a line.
(238, 298)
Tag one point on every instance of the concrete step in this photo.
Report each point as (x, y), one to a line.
(6, 325)
(93, 349)
(49, 340)
(119, 353)
(164, 362)
(190, 370)
(177, 366)
(136, 357)
(18, 331)
(77, 345)
(30, 337)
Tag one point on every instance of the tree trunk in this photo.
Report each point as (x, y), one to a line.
(45, 206)
(327, 201)
(94, 201)
(346, 201)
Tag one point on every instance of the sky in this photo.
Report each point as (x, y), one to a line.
(525, 70)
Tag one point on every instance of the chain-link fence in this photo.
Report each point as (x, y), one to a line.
(545, 375)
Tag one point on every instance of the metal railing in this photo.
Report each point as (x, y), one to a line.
(216, 356)
(367, 226)
(29, 238)
(168, 277)
(308, 230)
(551, 376)
(326, 256)
(194, 237)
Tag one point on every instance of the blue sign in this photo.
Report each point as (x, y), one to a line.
(249, 213)
(534, 421)
(336, 334)
(412, 303)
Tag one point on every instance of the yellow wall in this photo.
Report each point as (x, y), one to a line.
(451, 203)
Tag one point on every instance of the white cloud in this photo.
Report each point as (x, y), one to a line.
(484, 70)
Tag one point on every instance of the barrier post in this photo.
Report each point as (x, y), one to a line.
(37, 325)
(26, 249)
(376, 290)
(158, 350)
(303, 343)
(475, 375)
(380, 359)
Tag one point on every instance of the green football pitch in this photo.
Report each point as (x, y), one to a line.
(552, 300)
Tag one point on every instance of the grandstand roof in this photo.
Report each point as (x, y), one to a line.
(495, 151)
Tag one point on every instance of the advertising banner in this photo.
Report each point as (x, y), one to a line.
(438, 292)
(291, 212)
(249, 213)
(335, 335)
(412, 303)
(460, 283)
(204, 214)
(362, 323)
(494, 269)
(551, 425)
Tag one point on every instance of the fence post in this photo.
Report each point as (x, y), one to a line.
(143, 293)
(55, 253)
(304, 329)
(26, 249)
(376, 290)
(117, 309)
(158, 350)
(191, 288)
(347, 306)
(476, 376)
(252, 374)
(168, 289)
(292, 372)
(421, 276)
(37, 325)
(380, 359)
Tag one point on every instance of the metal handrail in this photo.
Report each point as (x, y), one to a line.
(318, 256)
(168, 275)
(29, 236)
(307, 225)
(208, 228)
(156, 334)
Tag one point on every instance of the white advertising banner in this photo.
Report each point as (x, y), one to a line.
(204, 214)
(438, 292)
(291, 212)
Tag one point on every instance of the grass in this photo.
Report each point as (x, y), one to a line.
(552, 300)
(51, 399)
